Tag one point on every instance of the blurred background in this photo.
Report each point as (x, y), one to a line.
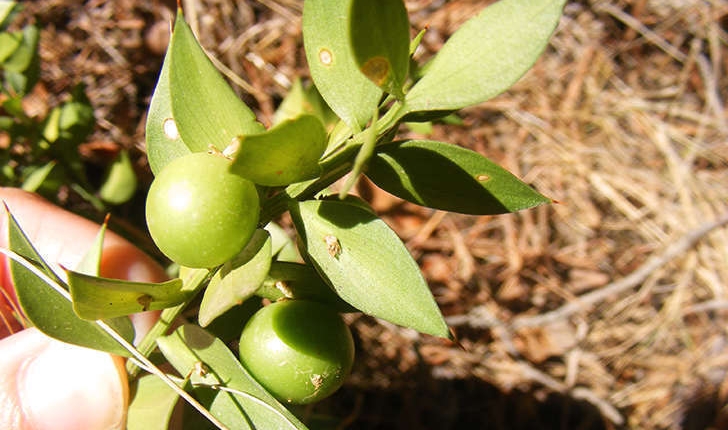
(605, 310)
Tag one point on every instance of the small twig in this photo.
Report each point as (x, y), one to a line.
(480, 317)
(606, 409)
(642, 29)
(630, 281)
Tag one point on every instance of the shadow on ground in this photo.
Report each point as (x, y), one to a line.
(450, 404)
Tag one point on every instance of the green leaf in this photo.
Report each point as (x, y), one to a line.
(9, 42)
(288, 280)
(190, 347)
(152, 404)
(300, 100)
(22, 67)
(282, 246)
(8, 9)
(205, 108)
(36, 178)
(49, 310)
(380, 42)
(448, 177)
(237, 279)
(96, 298)
(163, 140)
(23, 56)
(120, 183)
(285, 154)
(90, 263)
(367, 264)
(486, 55)
(334, 71)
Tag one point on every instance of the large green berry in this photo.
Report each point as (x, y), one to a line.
(198, 213)
(300, 351)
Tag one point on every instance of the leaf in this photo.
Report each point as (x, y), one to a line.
(367, 264)
(300, 281)
(90, 263)
(25, 54)
(237, 279)
(334, 71)
(282, 246)
(152, 404)
(121, 181)
(451, 178)
(9, 42)
(163, 140)
(205, 108)
(189, 347)
(38, 176)
(285, 154)
(22, 67)
(96, 298)
(299, 101)
(48, 309)
(380, 42)
(486, 55)
(8, 10)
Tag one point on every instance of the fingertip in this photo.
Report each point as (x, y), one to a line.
(69, 387)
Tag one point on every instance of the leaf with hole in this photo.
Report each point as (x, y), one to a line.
(379, 31)
(331, 62)
(193, 106)
(98, 298)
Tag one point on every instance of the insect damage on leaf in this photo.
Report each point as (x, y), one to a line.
(332, 245)
(145, 300)
(325, 57)
(377, 69)
(170, 129)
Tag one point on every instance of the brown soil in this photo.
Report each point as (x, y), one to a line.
(605, 310)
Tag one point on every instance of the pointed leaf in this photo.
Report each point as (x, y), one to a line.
(152, 404)
(486, 55)
(191, 347)
(121, 181)
(38, 176)
(90, 263)
(96, 298)
(380, 42)
(205, 108)
(164, 142)
(367, 264)
(49, 310)
(285, 154)
(8, 10)
(237, 279)
(448, 177)
(334, 71)
(9, 42)
(299, 101)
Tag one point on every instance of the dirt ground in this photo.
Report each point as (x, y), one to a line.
(605, 310)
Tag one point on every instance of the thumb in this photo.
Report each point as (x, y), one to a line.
(47, 384)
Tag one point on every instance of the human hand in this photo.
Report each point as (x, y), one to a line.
(45, 383)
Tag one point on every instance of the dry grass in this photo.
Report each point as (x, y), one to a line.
(616, 297)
